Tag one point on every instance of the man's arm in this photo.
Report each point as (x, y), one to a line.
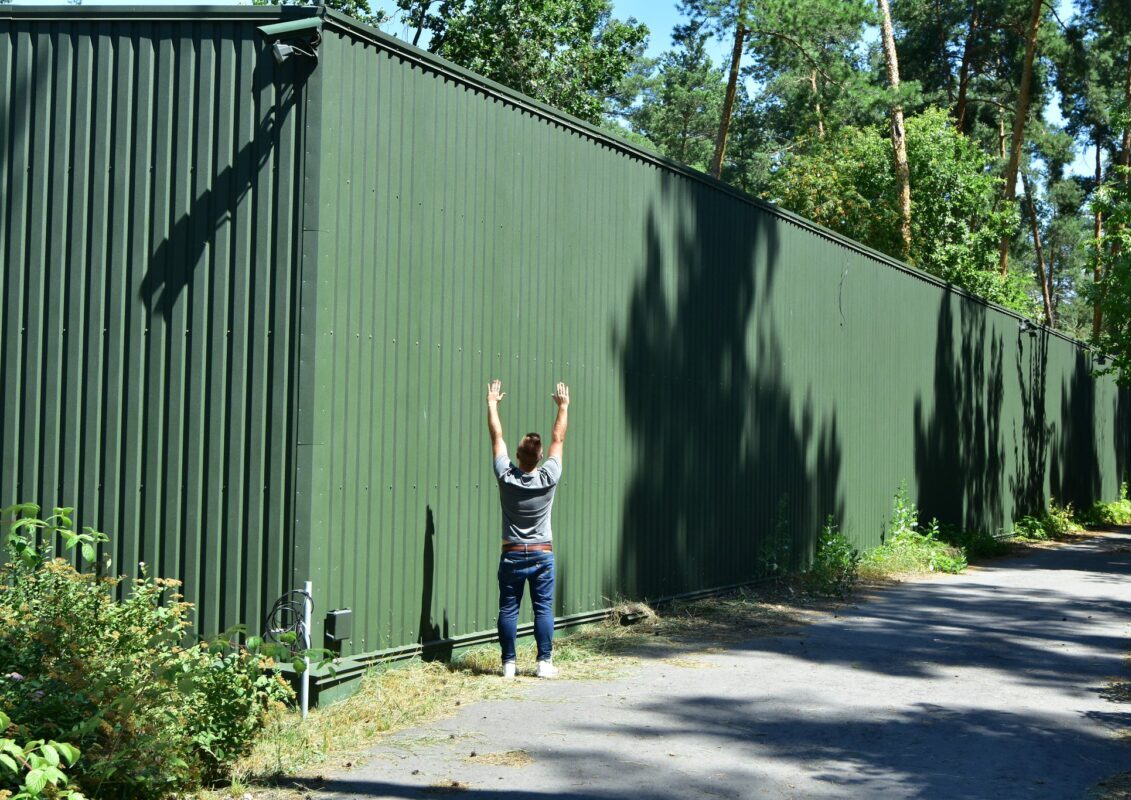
(557, 436)
(495, 394)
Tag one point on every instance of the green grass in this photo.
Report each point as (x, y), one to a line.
(910, 553)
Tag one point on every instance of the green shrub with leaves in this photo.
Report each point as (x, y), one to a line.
(834, 571)
(1030, 528)
(1117, 512)
(775, 556)
(35, 769)
(975, 544)
(93, 670)
(231, 690)
(112, 676)
(1060, 521)
(906, 549)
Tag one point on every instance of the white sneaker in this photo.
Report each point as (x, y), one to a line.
(547, 670)
(508, 669)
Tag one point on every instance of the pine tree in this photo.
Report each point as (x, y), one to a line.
(680, 105)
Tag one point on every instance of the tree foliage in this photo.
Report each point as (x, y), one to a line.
(848, 184)
(571, 54)
(679, 109)
(1113, 292)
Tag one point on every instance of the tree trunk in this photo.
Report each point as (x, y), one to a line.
(1125, 156)
(817, 104)
(964, 73)
(1042, 272)
(898, 135)
(1125, 149)
(421, 14)
(728, 101)
(1019, 119)
(1097, 270)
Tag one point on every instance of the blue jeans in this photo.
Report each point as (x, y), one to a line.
(515, 569)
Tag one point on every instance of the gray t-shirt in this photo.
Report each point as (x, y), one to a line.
(526, 498)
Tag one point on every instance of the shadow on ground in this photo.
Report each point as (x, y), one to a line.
(954, 739)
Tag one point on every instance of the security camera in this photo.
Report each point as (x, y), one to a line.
(282, 51)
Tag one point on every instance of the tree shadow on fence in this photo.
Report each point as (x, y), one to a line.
(730, 481)
(1031, 444)
(1122, 432)
(1075, 467)
(959, 455)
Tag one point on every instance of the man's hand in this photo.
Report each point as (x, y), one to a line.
(557, 435)
(495, 392)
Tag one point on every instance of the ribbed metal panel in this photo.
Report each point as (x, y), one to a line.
(737, 374)
(150, 182)
(249, 312)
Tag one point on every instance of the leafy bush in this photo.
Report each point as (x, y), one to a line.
(35, 769)
(1114, 513)
(230, 689)
(975, 544)
(835, 566)
(112, 677)
(775, 556)
(1060, 521)
(1055, 522)
(906, 550)
(1030, 528)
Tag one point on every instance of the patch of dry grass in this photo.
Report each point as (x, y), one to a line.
(510, 758)
(449, 786)
(1116, 787)
(1117, 692)
(387, 700)
(683, 662)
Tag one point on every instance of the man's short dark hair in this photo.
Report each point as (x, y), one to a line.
(529, 450)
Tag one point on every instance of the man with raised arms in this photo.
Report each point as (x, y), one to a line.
(526, 494)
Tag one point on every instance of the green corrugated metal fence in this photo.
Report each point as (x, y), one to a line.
(150, 190)
(738, 374)
(305, 274)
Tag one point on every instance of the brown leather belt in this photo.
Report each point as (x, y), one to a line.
(509, 547)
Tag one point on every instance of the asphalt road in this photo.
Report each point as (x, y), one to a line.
(989, 684)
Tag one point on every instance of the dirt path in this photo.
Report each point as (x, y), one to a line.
(1007, 682)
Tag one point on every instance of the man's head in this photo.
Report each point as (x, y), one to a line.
(529, 451)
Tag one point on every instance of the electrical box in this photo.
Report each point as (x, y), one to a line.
(339, 624)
